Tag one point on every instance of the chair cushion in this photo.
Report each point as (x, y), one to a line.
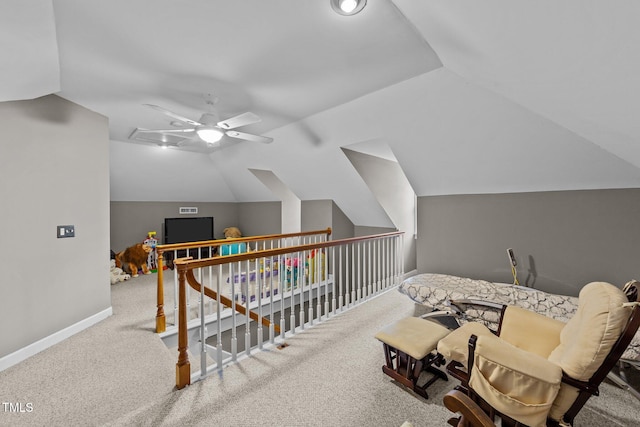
(414, 336)
(588, 337)
(455, 346)
(542, 333)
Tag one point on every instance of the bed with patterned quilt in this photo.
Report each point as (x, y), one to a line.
(442, 292)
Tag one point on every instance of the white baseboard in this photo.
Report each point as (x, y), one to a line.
(410, 273)
(46, 342)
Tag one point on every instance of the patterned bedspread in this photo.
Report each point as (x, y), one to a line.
(436, 290)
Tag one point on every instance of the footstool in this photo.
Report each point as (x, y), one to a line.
(409, 346)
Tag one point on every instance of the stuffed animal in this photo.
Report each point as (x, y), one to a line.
(117, 274)
(134, 258)
(234, 248)
(232, 233)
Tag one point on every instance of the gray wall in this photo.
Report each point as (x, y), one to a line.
(320, 214)
(367, 231)
(131, 221)
(54, 170)
(259, 218)
(341, 225)
(316, 214)
(562, 240)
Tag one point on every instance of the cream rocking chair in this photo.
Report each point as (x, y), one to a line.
(539, 371)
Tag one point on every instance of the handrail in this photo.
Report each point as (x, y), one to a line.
(217, 242)
(185, 268)
(161, 322)
(188, 263)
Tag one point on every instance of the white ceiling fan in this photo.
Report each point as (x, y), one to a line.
(208, 130)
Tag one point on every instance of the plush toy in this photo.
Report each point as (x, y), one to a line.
(234, 248)
(117, 274)
(232, 233)
(134, 258)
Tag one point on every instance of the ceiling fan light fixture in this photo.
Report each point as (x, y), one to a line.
(348, 7)
(209, 135)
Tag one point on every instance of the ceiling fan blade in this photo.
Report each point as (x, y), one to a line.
(160, 138)
(166, 130)
(240, 120)
(173, 115)
(249, 137)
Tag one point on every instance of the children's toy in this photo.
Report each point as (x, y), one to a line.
(232, 233)
(233, 248)
(117, 274)
(291, 266)
(315, 265)
(152, 259)
(265, 272)
(134, 258)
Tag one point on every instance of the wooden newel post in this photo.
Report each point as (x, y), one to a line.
(183, 367)
(161, 321)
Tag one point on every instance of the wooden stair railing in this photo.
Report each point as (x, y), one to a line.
(193, 282)
(183, 367)
(185, 267)
(161, 321)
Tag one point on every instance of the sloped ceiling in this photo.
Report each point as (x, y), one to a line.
(470, 97)
(29, 63)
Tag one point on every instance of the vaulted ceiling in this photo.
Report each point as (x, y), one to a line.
(469, 97)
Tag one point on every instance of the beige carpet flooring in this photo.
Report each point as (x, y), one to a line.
(119, 373)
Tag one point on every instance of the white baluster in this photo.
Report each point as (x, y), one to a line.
(302, 272)
(188, 293)
(325, 268)
(234, 337)
(401, 239)
(219, 319)
(199, 274)
(203, 331)
(318, 277)
(210, 272)
(259, 281)
(175, 289)
(381, 263)
(359, 264)
(272, 329)
(375, 266)
(341, 288)
(385, 257)
(247, 318)
(292, 326)
(332, 270)
(347, 277)
(282, 277)
(369, 269)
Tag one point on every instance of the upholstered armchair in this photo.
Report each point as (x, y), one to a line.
(539, 371)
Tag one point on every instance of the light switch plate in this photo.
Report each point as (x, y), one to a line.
(66, 231)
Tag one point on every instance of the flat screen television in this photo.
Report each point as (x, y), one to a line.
(192, 229)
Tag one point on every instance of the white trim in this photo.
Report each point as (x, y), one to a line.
(46, 342)
(410, 273)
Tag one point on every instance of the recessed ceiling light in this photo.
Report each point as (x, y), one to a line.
(348, 7)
